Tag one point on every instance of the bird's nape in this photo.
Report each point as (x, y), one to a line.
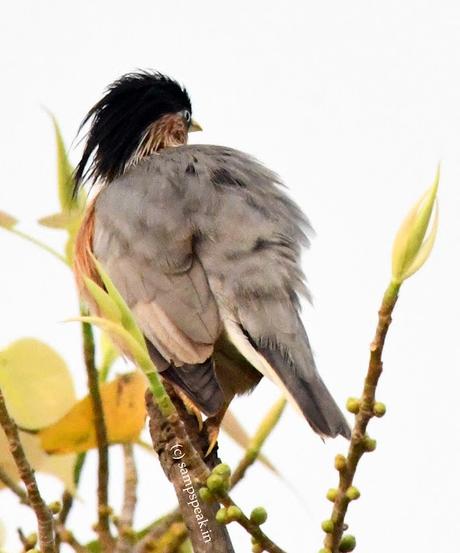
(120, 123)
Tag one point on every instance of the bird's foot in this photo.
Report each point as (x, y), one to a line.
(212, 427)
(191, 409)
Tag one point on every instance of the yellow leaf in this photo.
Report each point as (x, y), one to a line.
(58, 220)
(7, 221)
(61, 467)
(36, 383)
(124, 412)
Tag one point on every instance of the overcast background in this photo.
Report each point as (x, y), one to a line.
(353, 104)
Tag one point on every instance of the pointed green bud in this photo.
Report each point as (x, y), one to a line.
(347, 543)
(222, 470)
(234, 513)
(353, 405)
(221, 516)
(258, 515)
(369, 443)
(205, 495)
(327, 526)
(215, 483)
(332, 494)
(340, 462)
(379, 409)
(352, 493)
(412, 247)
(257, 548)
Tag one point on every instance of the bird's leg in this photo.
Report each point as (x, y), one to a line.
(190, 407)
(212, 427)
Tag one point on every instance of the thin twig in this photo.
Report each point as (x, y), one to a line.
(67, 537)
(251, 528)
(38, 243)
(125, 524)
(171, 539)
(359, 442)
(67, 497)
(42, 513)
(157, 530)
(103, 525)
(14, 487)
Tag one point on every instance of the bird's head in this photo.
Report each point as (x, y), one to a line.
(139, 114)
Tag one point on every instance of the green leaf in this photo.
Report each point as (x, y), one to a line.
(426, 247)
(107, 306)
(127, 318)
(66, 180)
(36, 383)
(124, 340)
(411, 248)
(109, 354)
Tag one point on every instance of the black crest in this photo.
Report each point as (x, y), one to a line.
(118, 121)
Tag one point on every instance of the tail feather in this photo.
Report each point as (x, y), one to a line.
(311, 395)
(285, 357)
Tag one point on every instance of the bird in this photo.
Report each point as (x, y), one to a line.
(204, 244)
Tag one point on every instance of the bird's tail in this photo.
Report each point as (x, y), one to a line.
(278, 347)
(309, 393)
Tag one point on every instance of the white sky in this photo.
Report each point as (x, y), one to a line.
(353, 103)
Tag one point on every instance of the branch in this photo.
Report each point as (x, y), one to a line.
(42, 513)
(102, 527)
(125, 523)
(156, 535)
(186, 470)
(67, 497)
(360, 442)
